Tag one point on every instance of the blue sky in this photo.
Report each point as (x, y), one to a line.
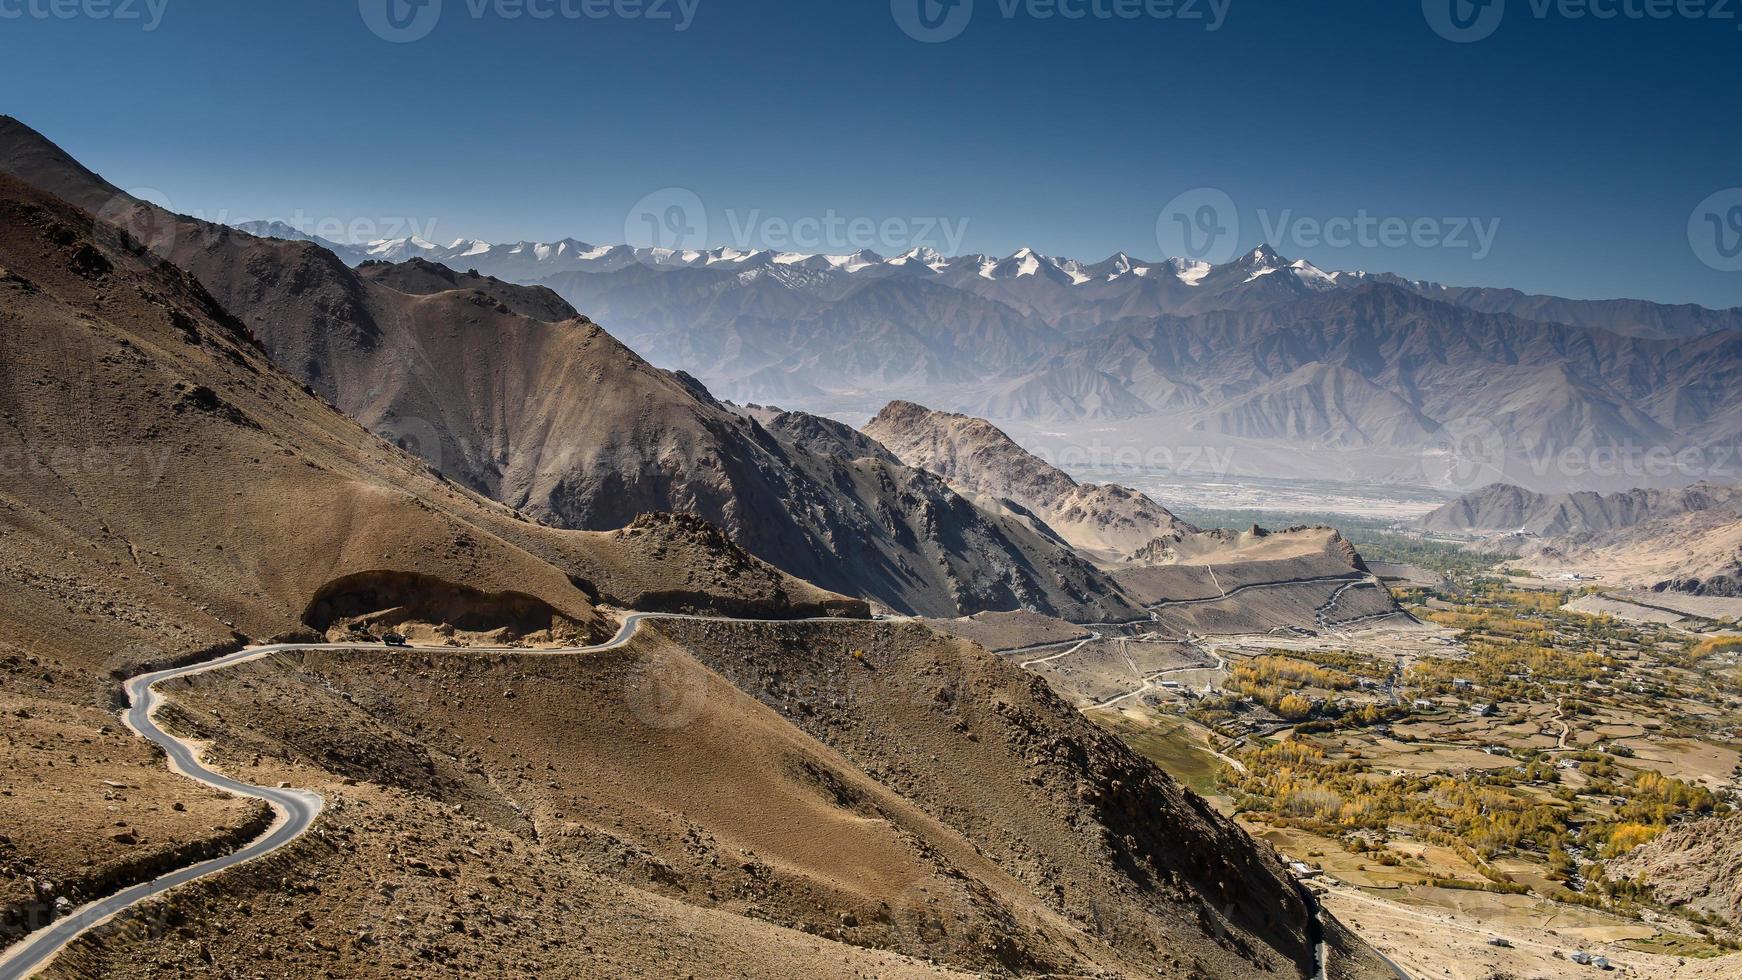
(1590, 141)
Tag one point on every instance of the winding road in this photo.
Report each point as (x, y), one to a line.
(295, 810)
(1236, 590)
(1046, 660)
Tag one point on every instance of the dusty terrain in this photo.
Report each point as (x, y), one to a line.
(170, 494)
(523, 813)
(1428, 939)
(1002, 833)
(1013, 630)
(88, 806)
(423, 278)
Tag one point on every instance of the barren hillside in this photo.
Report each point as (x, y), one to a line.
(976, 457)
(684, 803)
(558, 420)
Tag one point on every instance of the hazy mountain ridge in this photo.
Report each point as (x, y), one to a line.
(1037, 836)
(976, 457)
(1507, 509)
(564, 422)
(1686, 540)
(1260, 348)
(1063, 291)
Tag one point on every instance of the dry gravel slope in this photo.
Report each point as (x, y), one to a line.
(1696, 866)
(717, 799)
(170, 493)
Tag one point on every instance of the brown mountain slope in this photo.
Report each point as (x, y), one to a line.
(421, 277)
(1697, 866)
(1506, 508)
(1019, 566)
(573, 814)
(977, 457)
(169, 492)
(1687, 539)
(558, 420)
(1002, 834)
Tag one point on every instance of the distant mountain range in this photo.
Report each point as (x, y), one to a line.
(1506, 509)
(1687, 539)
(1211, 286)
(1259, 349)
(507, 390)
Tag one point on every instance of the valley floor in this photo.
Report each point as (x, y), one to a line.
(1462, 776)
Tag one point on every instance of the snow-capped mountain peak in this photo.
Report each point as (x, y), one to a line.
(529, 261)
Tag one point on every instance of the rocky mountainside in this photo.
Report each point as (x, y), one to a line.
(1697, 866)
(558, 419)
(1507, 509)
(423, 278)
(170, 495)
(171, 490)
(1686, 540)
(688, 798)
(976, 457)
(1020, 565)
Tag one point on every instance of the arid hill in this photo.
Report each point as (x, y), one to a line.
(421, 277)
(1697, 866)
(1019, 565)
(170, 493)
(1504, 508)
(976, 457)
(1123, 528)
(719, 799)
(1685, 540)
(712, 799)
(557, 420)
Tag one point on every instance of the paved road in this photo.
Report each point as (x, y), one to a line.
(1281, 583)
(295, 809)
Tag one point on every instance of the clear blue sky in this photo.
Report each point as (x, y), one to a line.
(1591, 141)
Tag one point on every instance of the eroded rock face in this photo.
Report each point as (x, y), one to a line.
(976, 457)
(1697, 865)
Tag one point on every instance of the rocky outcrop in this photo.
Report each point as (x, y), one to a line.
(976, 457)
